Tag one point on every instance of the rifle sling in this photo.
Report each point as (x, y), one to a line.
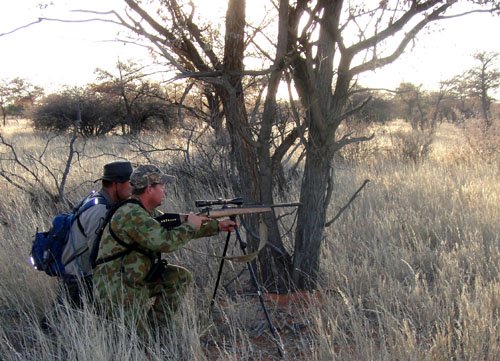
(129, 247)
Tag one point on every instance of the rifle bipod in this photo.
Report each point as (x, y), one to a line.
(256, 284)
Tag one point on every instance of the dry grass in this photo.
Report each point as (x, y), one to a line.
(409, 272)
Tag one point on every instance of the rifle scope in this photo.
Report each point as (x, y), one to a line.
(218, 202)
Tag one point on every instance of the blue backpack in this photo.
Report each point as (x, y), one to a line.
(48, 247)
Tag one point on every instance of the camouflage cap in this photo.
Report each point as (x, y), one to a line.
(148, 174)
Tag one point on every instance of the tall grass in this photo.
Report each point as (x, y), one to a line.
(409, 272)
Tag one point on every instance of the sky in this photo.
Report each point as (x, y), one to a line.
(53, 54)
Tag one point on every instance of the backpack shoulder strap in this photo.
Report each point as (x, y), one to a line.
(85, 205)
(129, 246)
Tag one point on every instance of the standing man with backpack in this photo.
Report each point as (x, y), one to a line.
(85, 230)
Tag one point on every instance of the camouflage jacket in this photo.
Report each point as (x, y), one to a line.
(135, 225)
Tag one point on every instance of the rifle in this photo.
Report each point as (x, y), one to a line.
(229, 208)
(232, 211)
(172, 220)
(235, 207)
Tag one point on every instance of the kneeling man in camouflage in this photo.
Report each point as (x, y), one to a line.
(130, 274)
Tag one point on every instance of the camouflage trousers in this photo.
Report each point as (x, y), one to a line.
(143, 305)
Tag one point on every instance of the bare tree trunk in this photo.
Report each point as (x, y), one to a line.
(231, 94)
(313, 77)
(253, 158)
(275, 264)
(485, 107)
(4, 116)
(243, 150)
(312, 213)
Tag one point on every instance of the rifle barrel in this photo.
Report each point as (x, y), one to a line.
(234, 211)
(276, 205)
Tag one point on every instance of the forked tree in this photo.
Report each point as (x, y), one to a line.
(324, 45)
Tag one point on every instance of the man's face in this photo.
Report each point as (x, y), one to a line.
(157, 194)
(123, 190)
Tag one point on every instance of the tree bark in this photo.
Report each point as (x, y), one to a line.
(313, 77)
(312, 214)
(275, 264)
(232, 96)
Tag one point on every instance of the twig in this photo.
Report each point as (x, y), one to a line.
(330, 222)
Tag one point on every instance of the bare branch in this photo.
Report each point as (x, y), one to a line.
(488, 11)
(352, 111)
(346, 140)
(22, 27)
(435, 15)
(396, 26)
(42, 19)
(330, 222)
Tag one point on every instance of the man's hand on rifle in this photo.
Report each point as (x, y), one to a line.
(227, 225)
(196, 220)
